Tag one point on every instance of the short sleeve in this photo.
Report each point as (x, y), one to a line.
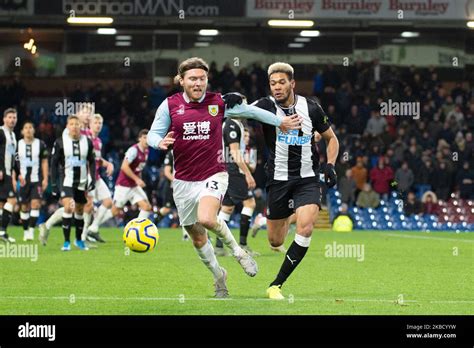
(131, 154)
(318, 117)
(232, 132)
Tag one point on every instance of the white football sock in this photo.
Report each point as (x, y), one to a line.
(207, 256)
(100, 213)
(55, 218)
(87, 221)
(107, 216)
(222, 231)
(143, 214)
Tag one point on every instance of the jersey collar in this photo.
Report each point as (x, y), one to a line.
(186, 98)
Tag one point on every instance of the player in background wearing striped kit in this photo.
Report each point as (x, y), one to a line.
(33, 156)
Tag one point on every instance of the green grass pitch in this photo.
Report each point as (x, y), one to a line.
(401, 273)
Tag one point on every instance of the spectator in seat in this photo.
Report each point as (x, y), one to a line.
(404, 177)
(368, 198)
(347, 188)
(465, 181)
(359, 174)
(381, 176)
(430, 203)
(412, 205)
(376, 124)
(442, 181)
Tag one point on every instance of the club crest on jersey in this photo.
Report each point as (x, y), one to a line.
(213, 110)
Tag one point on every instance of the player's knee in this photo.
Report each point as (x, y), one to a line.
(207, 221)
(107, 203)
(275, 241)
(306, 229)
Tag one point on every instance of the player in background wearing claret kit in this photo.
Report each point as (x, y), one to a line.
(129, 185)
(101, 194)
(191, 121)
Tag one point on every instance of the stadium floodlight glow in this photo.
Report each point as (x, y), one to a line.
(90, 20)
(470, 24)
(310, 33)
(302, 39)
(295, 45)
(201, 44)
(290, 23)
(410, 34)
(208, 32)
(106, 31)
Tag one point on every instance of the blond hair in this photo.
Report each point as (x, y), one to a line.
(98, 117)
(188, 64)
(280, 67)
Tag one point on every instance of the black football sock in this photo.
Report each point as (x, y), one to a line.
(5, 219)
(79, 222)
(244, 228)
(34, 214)
(293, 257)
(25, 220)
(67, 220)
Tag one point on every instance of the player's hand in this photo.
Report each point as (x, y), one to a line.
(250, 181)
(110, 169)
(291, 122)
(44, 184)
(140, 183)
(232, 99)
(22, 180)
(330, 177)
(166, 141)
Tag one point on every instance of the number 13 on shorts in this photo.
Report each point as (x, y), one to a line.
(212, 185)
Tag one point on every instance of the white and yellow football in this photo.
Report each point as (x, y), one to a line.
(140, 235)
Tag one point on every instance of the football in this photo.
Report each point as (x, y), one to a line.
(140, 235)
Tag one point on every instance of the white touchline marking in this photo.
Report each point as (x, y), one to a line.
(426, 237)
(97, 298)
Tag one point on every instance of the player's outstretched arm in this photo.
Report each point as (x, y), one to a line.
(160, 126)
(249, 111)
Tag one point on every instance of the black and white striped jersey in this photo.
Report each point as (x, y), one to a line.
(30, 157)
(293, 155)
(8, 161)
(73, 161)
